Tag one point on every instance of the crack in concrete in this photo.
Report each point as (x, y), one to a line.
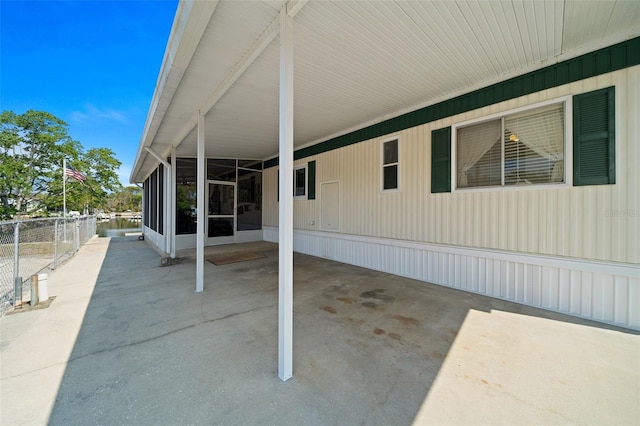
(139, 342)
(532, 405)
(239, 313)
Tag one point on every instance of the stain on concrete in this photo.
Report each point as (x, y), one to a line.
(355, 320)
(377, 296)
(371, 294)
(378, 331)
(395, 336)
(345, 300)
(406, 320)
(369, 304)
(484, 381)
(340, 288)
(329, 309)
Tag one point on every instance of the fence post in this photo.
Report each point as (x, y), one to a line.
(17, 281)
(55, 244)
(76, 237)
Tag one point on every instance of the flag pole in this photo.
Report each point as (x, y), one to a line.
(64, 188)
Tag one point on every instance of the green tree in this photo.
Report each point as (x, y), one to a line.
(32, 147)
(129, 198)
(99, 165)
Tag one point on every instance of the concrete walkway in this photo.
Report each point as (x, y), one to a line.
(128, 342)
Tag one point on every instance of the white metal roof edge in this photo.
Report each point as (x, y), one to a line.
(190, 22)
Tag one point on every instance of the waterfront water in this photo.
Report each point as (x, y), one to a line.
(117, 227)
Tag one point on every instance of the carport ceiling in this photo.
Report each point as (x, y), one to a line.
(356, 63)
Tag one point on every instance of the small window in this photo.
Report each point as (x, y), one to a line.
(526, 148)
(300, 182)
(304, 182)
(390, 165)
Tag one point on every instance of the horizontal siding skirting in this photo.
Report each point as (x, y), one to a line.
(601, 291)
(154, 238)
(608, 59)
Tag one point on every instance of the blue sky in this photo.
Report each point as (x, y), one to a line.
(94, 64)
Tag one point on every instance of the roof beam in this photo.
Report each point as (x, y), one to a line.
(239, 68)
(192, 19)
(157, 157)
(234, 74)
(294, 6)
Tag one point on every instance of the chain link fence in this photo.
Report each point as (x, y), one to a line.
(28, 247)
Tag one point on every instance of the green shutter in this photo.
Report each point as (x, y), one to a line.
(594, 159)
(311, 180)
(441, 160)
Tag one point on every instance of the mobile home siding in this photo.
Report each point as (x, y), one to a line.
(592, 224)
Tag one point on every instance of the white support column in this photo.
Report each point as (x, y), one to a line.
(172, 205)
(145, 207)
(285, 270)
(202, 211)
(168, 189)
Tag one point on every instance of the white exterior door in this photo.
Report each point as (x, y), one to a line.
(221, 212)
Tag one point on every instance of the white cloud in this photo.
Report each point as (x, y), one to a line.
(92, 114)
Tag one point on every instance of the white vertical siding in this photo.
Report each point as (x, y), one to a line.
(574, 250)
(591, 222)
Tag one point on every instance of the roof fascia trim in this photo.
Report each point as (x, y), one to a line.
(612, 58)
(190, 22)
(265, 39)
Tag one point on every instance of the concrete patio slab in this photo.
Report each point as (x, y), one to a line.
(127, 341)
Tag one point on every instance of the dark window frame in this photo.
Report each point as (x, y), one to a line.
(390, 169)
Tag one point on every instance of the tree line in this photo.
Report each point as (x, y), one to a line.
(33, 146)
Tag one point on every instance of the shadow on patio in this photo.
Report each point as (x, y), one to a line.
(368, 347)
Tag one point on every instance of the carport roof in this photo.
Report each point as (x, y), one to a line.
(356, 63)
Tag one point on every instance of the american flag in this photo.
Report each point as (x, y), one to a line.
(73, 173)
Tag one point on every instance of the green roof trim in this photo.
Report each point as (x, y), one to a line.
(609, 59)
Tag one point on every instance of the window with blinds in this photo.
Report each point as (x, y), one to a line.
(526, 148)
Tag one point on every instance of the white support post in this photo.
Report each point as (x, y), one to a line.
(202, 212)
(167, 208)
(285, 270)
(172, 204)
(144, 208)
